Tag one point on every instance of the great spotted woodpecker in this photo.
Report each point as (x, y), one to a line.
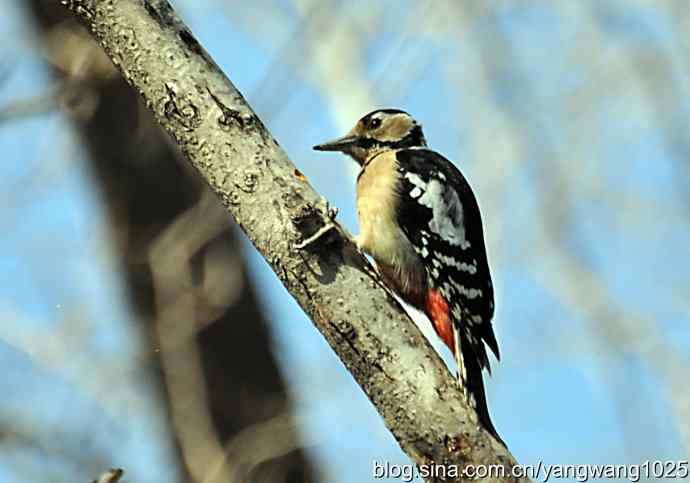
(420, 222)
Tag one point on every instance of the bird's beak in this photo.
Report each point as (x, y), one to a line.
(341, 144)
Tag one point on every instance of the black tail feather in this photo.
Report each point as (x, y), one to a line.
(470, 376)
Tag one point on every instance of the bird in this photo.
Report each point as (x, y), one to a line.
(420, 222)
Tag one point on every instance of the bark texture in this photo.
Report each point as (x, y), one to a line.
(269, 198)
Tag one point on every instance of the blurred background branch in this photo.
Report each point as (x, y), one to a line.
(191, 295)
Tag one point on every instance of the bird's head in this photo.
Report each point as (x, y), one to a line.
(377, 131)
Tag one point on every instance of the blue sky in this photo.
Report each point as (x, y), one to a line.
(567, 151)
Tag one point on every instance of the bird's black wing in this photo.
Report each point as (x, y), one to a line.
(440, 216)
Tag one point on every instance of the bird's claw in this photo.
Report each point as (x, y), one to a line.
(330, 211)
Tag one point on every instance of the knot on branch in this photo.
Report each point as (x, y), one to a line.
(230, 117)
(180, 111)
(315, 223)
(83, 8)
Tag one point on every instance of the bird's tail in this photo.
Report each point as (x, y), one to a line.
(472, 382)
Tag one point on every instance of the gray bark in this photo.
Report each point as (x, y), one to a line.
(225, 141)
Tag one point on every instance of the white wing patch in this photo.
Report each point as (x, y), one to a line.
(416, 180)
(447, 210)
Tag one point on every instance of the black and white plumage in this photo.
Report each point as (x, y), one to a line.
(447, 234)
(420, 221)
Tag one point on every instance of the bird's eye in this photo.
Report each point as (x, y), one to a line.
(374, 123)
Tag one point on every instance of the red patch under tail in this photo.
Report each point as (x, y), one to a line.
(439, 313)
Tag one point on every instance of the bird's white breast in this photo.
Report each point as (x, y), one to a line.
(380, 233)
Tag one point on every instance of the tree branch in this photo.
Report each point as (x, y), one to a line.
(269, 198)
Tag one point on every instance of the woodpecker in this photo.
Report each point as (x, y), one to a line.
(420, 222)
